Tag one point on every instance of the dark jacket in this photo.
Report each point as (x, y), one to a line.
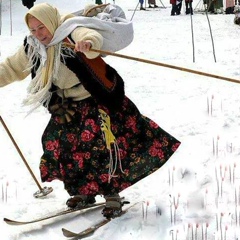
(101, 80)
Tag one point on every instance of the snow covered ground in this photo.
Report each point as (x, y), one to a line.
(196, 195)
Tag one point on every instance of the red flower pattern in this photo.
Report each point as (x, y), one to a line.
(104, 177)
(56, 153)
(125, 185)
(123, 153)
(51, 145)
(78, 155)
(153, 124)
(87, 136)
(131, 123)
(91, 188)
(79, 158)
(87, 155)
(71, 137)
(44, 171)
(123, 141)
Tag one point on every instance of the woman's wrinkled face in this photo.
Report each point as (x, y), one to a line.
(39, 30)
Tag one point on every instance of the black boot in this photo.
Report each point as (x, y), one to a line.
(113, 206)
(80, 201)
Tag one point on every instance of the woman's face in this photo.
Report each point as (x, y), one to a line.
(39, 30)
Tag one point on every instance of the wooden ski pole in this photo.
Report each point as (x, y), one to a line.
(42, 191)
(167, 65)
(160, 64)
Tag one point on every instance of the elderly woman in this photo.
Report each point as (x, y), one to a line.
(96, 142)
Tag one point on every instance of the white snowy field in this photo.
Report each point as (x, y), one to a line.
(196, 195)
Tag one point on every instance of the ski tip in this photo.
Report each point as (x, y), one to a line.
(68, 233)
(11, 222)
(7, 220)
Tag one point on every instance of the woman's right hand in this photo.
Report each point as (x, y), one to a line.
(82, 46)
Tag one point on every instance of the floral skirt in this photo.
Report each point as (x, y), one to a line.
(76, 153)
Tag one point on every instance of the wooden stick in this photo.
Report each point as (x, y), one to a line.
(160, 64)
(167, 65)
(20, 153)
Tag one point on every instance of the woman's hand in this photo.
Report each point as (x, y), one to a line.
(82, 46)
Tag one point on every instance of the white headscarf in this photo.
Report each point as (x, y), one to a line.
(49, 56)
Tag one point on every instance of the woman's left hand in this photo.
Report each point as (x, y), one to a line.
(82, 46)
